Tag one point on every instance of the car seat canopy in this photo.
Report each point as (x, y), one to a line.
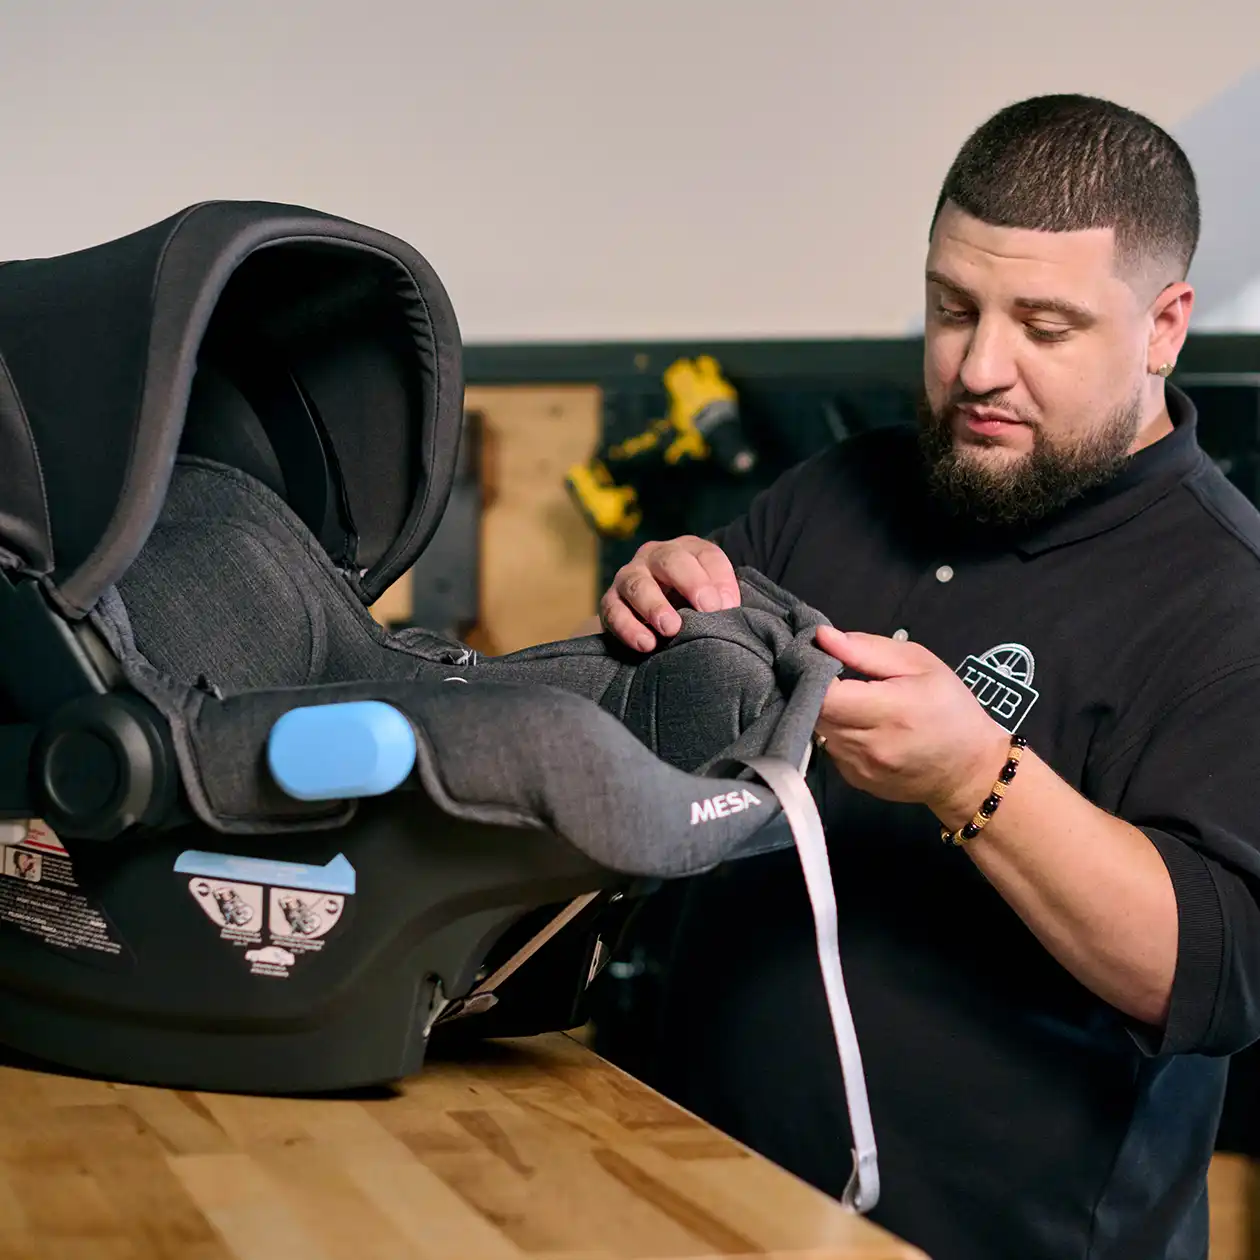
(318, 355)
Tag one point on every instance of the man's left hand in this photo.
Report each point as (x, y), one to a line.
(914, 732)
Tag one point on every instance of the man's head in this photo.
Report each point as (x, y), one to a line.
(1055, 293)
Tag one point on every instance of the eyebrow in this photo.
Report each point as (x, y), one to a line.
(1058, 306)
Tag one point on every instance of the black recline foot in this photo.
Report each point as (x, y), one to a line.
(101, 765)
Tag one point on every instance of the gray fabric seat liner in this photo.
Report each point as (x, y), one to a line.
(232, 615)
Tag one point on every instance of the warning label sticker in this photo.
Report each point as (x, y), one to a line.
(236, 908)
(287, 910)
(40, 896)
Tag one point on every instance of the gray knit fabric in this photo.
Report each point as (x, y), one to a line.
(232, 615)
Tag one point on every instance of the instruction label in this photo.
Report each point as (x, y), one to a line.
(40, 896)
(286, 910)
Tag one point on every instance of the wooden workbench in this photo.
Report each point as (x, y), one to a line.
(532, 1148)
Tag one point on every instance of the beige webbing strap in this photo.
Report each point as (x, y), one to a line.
(786, 782)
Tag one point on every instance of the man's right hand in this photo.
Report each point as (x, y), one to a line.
(636, 608)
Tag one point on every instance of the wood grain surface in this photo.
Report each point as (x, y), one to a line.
(1234, 1201)
(529, 1148)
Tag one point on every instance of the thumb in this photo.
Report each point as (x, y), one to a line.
(870, 654)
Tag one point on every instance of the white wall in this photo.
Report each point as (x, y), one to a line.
(575, 169)
(1222, 140)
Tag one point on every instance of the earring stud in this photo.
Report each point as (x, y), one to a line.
(1165, 370)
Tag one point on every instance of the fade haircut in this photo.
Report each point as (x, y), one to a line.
(1067, 163)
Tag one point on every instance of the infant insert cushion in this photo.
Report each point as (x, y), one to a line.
(233, 615)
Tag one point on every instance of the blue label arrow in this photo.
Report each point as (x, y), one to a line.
(336, 877)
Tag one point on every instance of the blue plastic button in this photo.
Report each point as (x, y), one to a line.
(336, 751)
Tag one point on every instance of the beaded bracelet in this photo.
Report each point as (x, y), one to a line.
(969, 831)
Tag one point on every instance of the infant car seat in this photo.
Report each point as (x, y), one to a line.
(253, 840)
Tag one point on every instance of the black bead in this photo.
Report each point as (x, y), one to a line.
(1008, 772)
(990, 805)
(1018, 741)
(970, 830)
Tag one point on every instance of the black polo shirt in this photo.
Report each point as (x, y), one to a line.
(1017, 1115)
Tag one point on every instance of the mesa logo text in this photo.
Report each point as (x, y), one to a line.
(722, 806)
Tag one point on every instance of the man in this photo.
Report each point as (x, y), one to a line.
(1049, 955)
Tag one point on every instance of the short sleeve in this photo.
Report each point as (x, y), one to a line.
(1192, 785)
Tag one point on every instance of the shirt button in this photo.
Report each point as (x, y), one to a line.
(944, 573)
(901, 635)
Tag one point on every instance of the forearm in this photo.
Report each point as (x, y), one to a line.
(1092, 888)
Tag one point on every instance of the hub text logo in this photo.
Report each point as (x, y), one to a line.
(1001, 680)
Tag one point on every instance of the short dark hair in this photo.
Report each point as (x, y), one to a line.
(1067, 163)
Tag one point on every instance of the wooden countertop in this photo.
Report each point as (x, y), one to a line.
(529, 1148)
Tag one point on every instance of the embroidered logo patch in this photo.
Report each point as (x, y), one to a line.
(1001, 680)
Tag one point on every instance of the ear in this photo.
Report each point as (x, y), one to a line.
(1170, 321)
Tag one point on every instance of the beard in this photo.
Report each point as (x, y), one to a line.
(1028, 488)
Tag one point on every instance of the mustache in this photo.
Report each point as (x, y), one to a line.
(995, 402)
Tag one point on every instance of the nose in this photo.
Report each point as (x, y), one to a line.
(988, 367)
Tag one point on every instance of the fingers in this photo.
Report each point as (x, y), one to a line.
(699, 571)
(640, 588)
(855, 706)
(872, 654)
(676, 567)
(637, 608)
(636, 604)
(720, 572)
(619, 620)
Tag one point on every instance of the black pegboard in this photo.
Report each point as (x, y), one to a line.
(786, 389)
(784, 421)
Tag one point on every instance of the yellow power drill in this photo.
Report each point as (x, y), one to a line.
(702, 422)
